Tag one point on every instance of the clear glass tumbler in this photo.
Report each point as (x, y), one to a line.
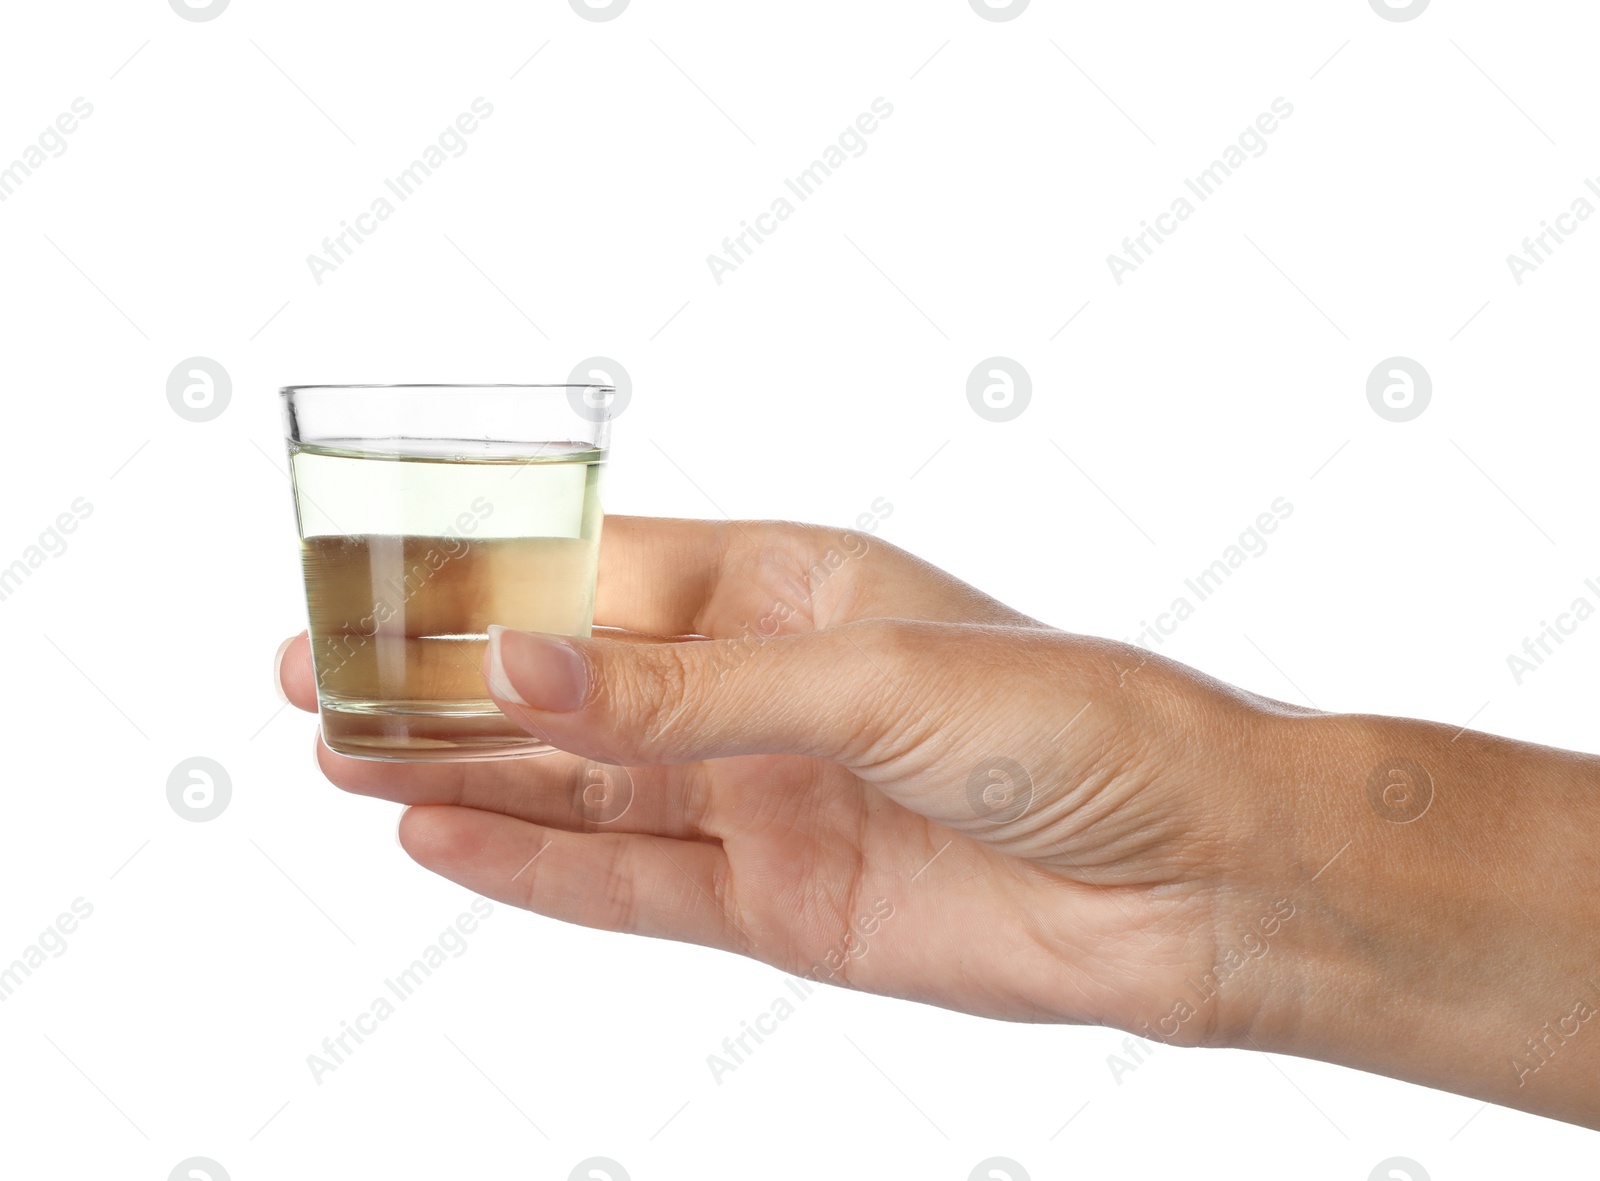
(426, 513)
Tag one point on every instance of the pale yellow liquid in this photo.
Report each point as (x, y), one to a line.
(399, 617)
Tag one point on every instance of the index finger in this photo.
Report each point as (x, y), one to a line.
(671, 577)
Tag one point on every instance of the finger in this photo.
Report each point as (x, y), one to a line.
(296, 680)
(638, 884)
(556, 790)
(731, 578)
(847, 694)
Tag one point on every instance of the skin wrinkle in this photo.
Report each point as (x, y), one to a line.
(1051, 944)
(1099, 805)
(789, 951)
(1213, 1032)
(852, 893)
(576, 783)
(783, 811)
(1035, 834)
(723, 888)
(1072, 972)
(774, 691)
(941, 693)
(527, 879)
(786, 558)
(830, 597)
(620, 896)
(663, 696)
(694, 797)
(853, 880)
(895, 722)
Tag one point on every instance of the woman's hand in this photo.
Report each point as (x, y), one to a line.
(871, 774)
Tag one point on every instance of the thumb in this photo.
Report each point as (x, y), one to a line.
(839, 694)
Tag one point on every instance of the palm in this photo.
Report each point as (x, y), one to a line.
(832, 880)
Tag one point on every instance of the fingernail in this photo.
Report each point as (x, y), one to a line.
(534, 670)
(277, 669)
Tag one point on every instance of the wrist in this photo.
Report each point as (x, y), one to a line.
(1445, 928)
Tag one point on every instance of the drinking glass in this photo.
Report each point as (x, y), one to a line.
(426, 513)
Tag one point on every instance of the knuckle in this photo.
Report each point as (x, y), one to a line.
(827, 562)
(896, 656)
(657, 691)
(902, 649)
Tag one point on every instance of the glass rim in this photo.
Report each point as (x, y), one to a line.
(288, 390)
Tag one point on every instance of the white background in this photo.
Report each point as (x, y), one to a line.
(827, 371)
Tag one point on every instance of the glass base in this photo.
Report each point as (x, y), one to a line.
(409, 732)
